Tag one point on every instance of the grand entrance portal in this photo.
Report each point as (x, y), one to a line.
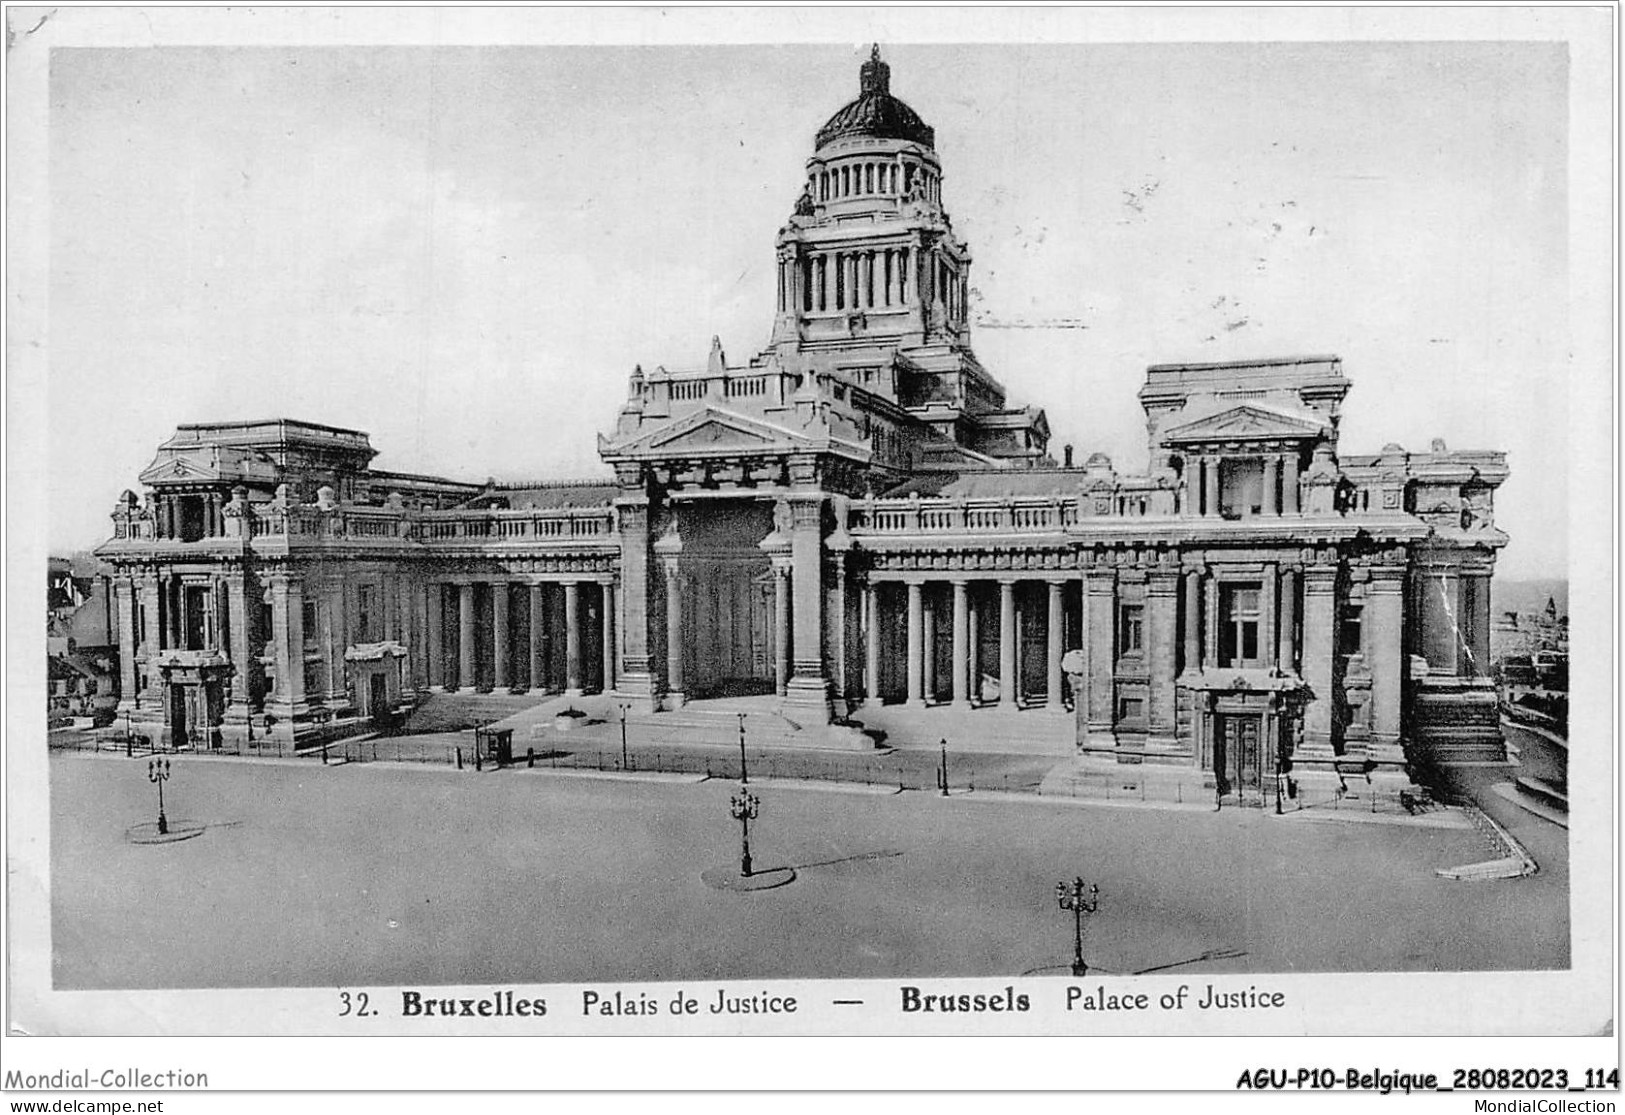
(728, 599)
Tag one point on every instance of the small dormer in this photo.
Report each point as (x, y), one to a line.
(1239, 435)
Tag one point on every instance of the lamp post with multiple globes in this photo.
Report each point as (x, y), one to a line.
(1081, 899)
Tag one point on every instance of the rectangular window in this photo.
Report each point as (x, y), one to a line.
(308, 617)
(1348, 631)
(1131, 629)
(1238, 625)
(1130, 708)
(366, 597)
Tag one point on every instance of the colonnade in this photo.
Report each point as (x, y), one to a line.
(168, 517)
(964, 618)
(871, 178)
(522, 656)
(861, 279)
(1281, 483)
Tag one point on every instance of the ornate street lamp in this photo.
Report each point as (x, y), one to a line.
(1080, 899)
(744, 808)
(744, 775)
(158, 772)
(942, 776)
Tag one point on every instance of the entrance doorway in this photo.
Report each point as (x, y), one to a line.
(727, 598)
(1238, 753)
(378, 697)
(182, 715)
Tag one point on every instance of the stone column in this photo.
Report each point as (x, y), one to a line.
(607, 607)
(537, 658)
(1289, 484)
(635, 676)
(1193, 620)
(288, 638)
(418, 632)
(1267, 637)
(961, 659)
(499, 635)
(241, 654)
(809, 687)
(152, 628)
(781, 625)
(1009, 682)
(465, 635)
(1272, 480)
(928, 650)
(1056, 632)
(674, 633)
(1162, 624)
(973, 655)
(1319, 635)
(1210, 480)
(1100, 607)
(1210, 642)
(1286, 641)
(871, 643)
(572, 639)
(434, 619)
(124, 597)
(1384, 635)
(839, 624)
(916, 638)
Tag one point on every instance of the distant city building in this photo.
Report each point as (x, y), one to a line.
(80, 638)
(855, 516)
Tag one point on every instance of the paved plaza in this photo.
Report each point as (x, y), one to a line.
(383, 874)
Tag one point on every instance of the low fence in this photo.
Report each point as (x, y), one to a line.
(911, 770)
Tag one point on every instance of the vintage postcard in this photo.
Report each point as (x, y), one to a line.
(627, 524)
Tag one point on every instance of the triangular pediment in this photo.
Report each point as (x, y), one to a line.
(710, 430)
(181, 469)
(715, 434)
(1247, 423)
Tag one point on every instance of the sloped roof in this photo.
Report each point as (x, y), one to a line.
(548, 496)
(993, 484)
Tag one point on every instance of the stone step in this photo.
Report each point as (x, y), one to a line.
(1544, 791)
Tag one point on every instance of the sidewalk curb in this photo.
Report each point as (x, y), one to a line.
(1516, 864)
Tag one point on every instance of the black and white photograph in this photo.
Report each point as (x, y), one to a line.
(820, 522)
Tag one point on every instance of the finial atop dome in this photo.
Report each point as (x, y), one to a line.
(875, 75)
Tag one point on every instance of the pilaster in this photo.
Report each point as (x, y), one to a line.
(1162, 622)
(1319, 634)
(1100, 587)
(636, 675)
(1384, 635)
(809, 688)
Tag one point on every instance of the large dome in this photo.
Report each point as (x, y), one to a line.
(876, 112)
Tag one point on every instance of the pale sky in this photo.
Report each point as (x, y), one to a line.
(463, 251)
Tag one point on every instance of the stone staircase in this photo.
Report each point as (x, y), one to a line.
(1037, 731)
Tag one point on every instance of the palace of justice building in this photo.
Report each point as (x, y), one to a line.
(855, 519)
